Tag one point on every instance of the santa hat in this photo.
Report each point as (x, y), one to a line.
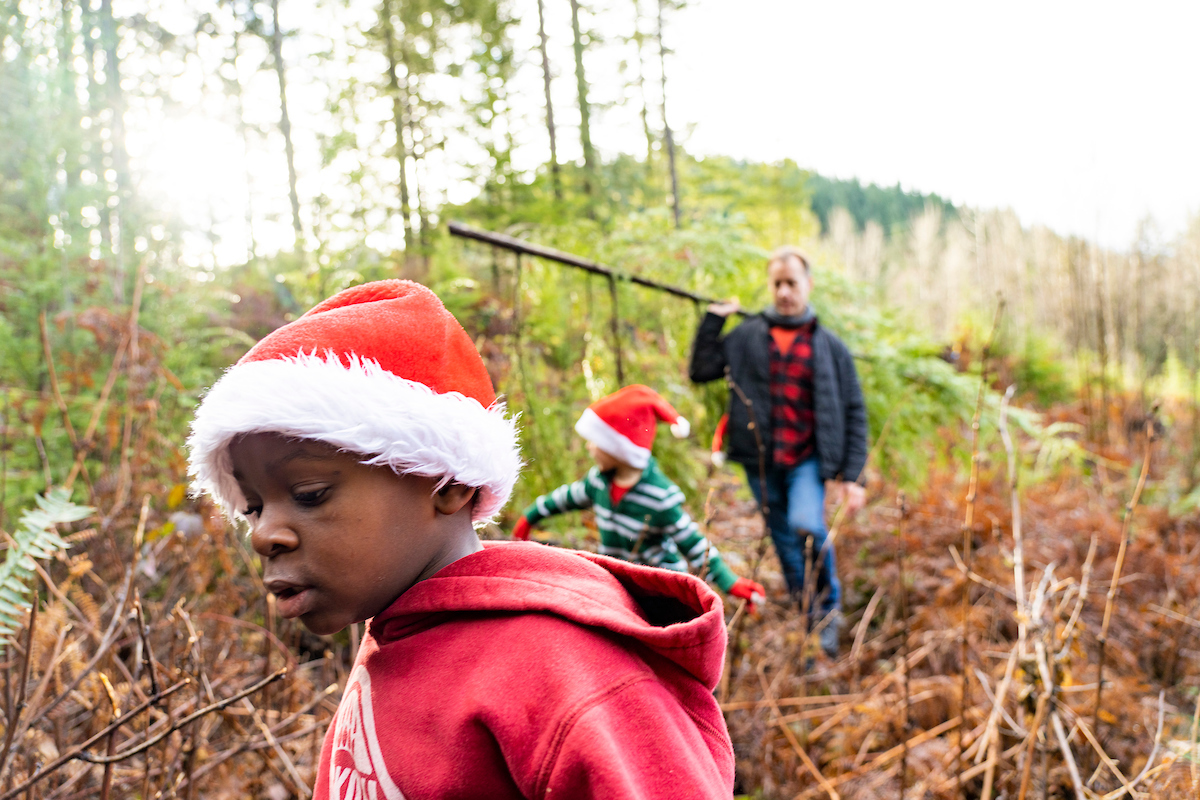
(624, 423)
(381, 369)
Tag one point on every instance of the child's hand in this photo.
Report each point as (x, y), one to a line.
(750, 591)
(521, 530)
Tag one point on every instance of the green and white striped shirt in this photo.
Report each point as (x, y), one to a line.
(649, 525)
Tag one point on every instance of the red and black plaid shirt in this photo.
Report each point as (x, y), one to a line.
(792, 400)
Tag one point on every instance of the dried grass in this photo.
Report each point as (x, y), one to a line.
(857, 739)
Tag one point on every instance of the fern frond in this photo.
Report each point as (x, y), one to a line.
(34, 538)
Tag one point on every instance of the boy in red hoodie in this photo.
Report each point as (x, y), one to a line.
(362, 442)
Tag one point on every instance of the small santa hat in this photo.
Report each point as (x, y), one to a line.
(381, 369)
(624, 423)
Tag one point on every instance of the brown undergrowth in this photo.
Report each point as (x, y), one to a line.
(1032, 661)
(155, 668)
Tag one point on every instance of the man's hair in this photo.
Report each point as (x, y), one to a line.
(788, 251)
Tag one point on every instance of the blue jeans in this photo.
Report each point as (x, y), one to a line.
(796, 505)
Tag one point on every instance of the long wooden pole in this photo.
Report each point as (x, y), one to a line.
(566, 259)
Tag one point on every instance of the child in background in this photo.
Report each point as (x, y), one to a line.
(363, 442)
(639, 511)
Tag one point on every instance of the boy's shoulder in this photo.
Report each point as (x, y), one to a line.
(519, 603)
(655, 490)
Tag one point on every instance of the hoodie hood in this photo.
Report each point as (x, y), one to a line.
(673, 614)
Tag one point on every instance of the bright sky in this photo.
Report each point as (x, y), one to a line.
(1083, 116)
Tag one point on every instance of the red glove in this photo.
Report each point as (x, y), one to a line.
(521, 530)
(750, 591)
(718, 442)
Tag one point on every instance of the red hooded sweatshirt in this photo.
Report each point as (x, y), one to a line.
(525, 671)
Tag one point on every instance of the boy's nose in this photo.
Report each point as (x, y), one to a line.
(273, 534)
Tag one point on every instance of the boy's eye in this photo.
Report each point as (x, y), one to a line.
(311, 497)
(252, 510)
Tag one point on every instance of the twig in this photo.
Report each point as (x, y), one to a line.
(975, 577)
(1031, 740)
(110, 745)
(1127, 529)
(195, 715)
(301, 787)
(57, 763)
(147, 653)
(991, 732)
(764, 510)
(968, 534)
(97, 411)
(47, 676)
(886, 756)
(794, 742)
(737, 614)
(58, 595)
(1065, 747)
(900, 532)
(19, 706)
(878, 688)
(1015, 500)
(110, 636)
(1157, 740)
(58, 398)
(1192, 751)
(814, 700)
(861, 634)
(250, 746)
(1081, 599)
(215, 761)
(981, 676)
(1175, 615)
(1105, 759)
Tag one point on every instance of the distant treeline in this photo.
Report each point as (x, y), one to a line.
(889, 206)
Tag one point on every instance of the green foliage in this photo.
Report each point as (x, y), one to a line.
(555, 353)
(891, 207)
(34, 538)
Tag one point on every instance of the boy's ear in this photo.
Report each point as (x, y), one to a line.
(452, 497)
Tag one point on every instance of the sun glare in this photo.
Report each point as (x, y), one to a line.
(195, 167)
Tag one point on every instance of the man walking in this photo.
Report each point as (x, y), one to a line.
(795, 403)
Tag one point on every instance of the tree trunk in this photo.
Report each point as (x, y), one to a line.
(71, 115)
(422, 226)
(1097, 269)
(244, 131)
(585, 130)
(641, 90)
(399, 101)
(115, 98)
(670, 140)
(555, 178)
(285, 123)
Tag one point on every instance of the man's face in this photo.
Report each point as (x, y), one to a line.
(790, 285)
(339, 541)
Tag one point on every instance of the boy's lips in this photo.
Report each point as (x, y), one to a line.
(293, 599)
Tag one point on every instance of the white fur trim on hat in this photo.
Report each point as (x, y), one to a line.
(361, 408)
(604, 436)
(680, 428)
